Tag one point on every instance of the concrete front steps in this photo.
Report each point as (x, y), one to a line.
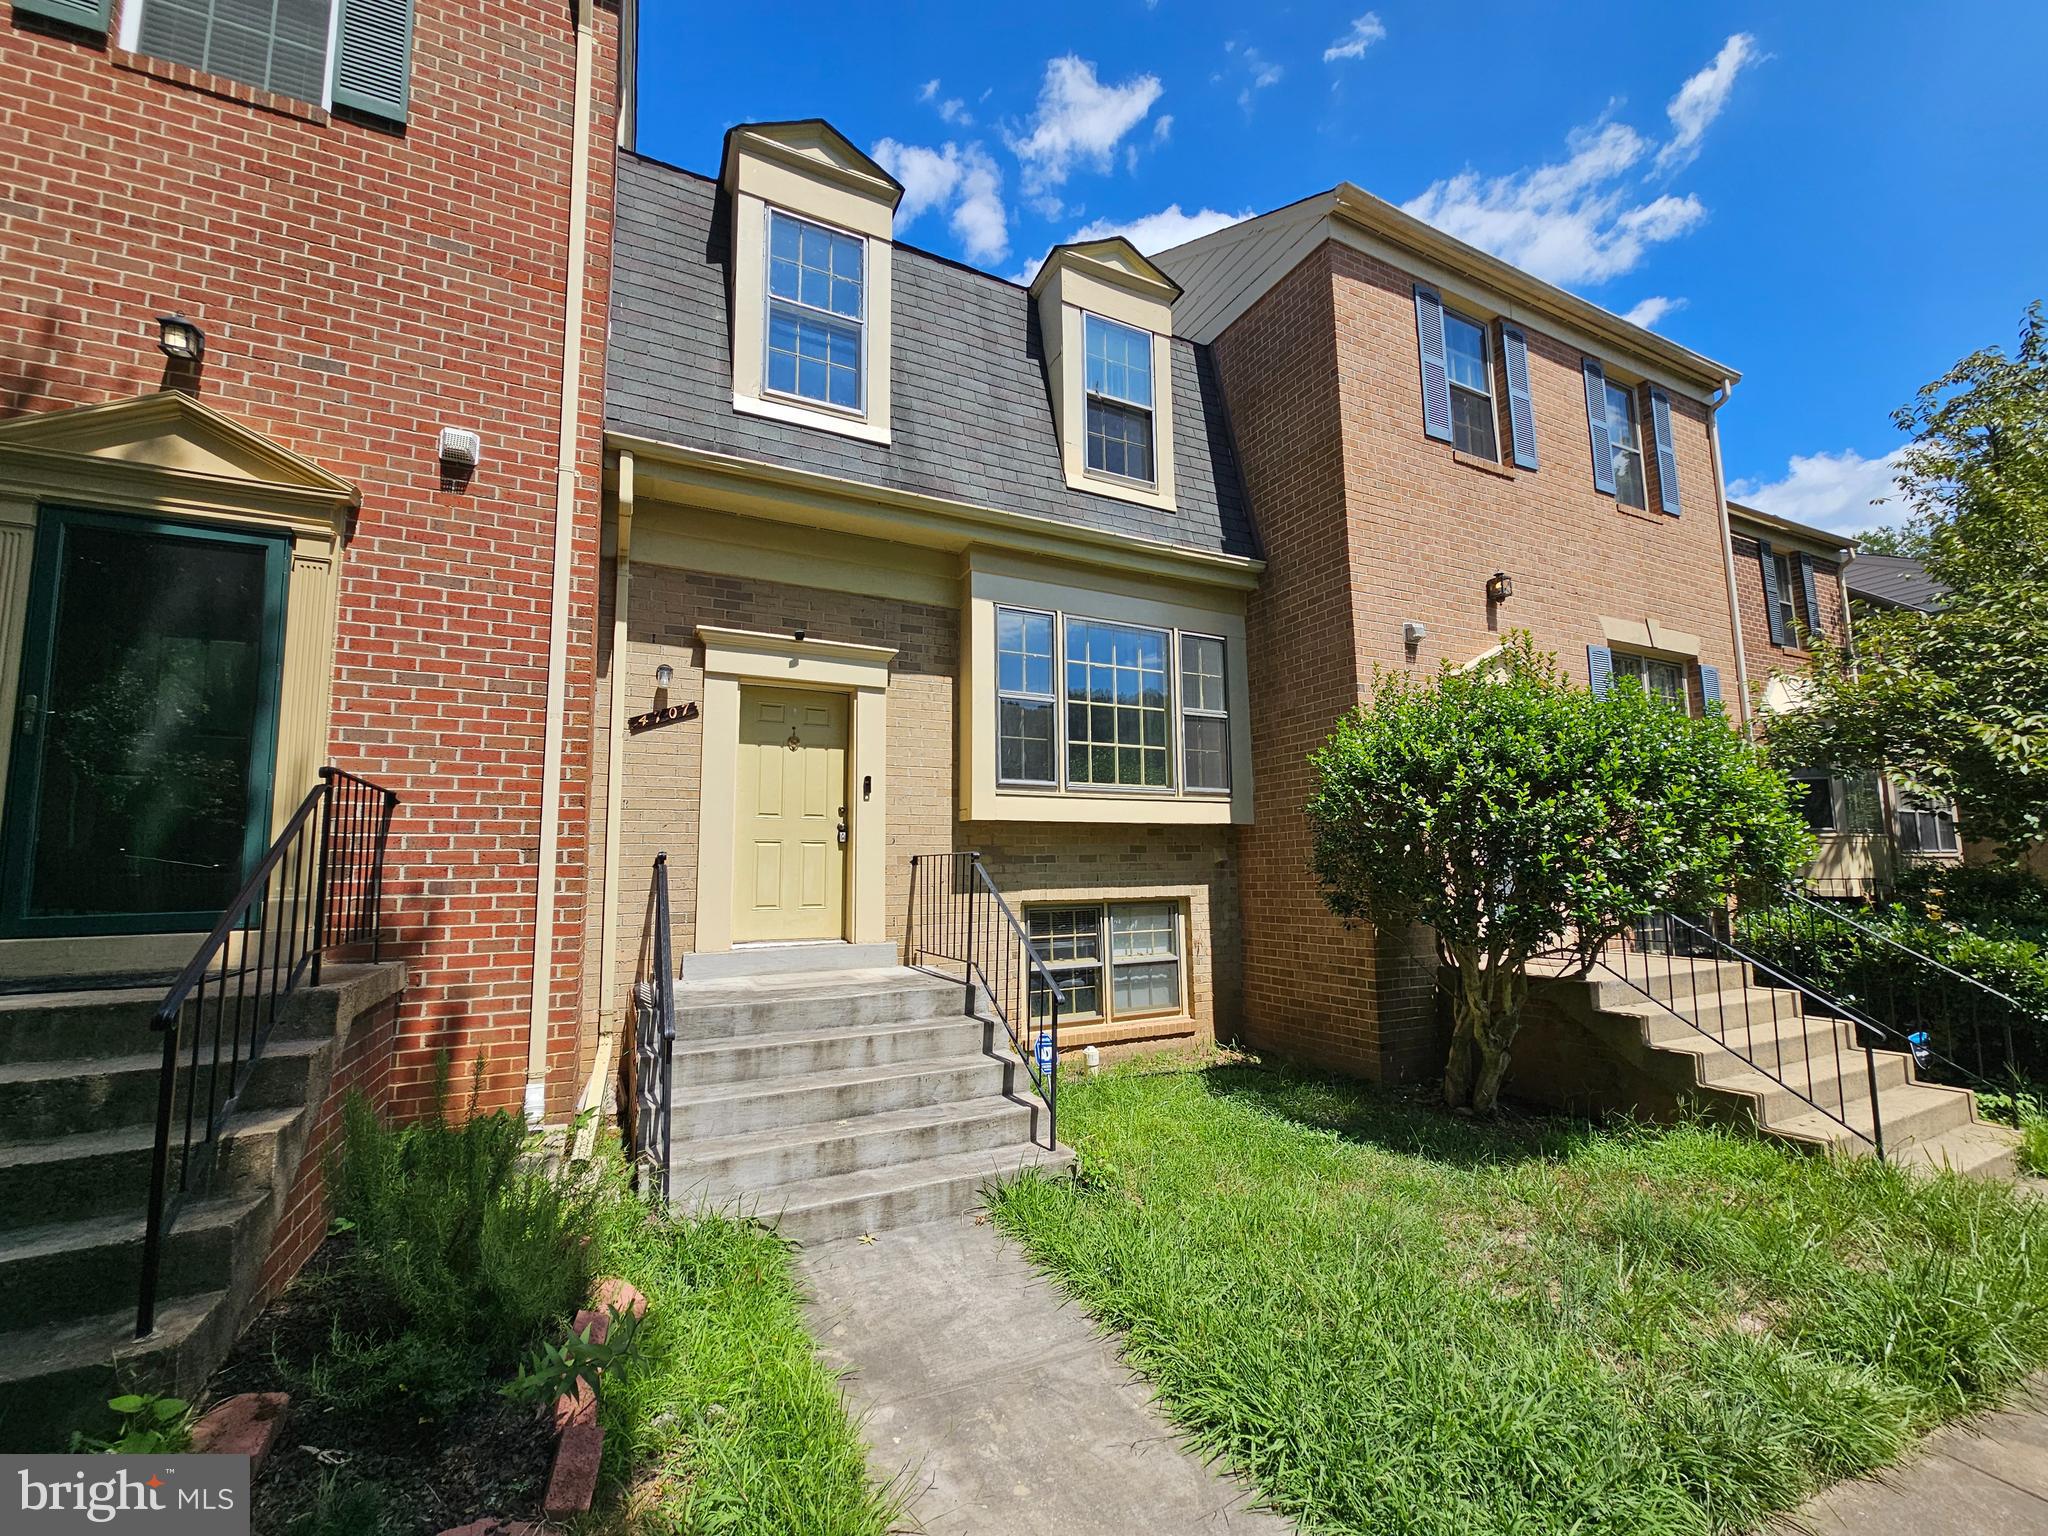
(78, 1089)
(1756, 1058)
(832, 1103)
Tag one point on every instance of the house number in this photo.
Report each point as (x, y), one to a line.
(635, 724)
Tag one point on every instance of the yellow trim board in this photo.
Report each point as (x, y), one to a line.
(672, 472)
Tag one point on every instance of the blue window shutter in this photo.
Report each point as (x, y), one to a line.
(1596, 424)
(1521, 407)
(373, 57)
(1436, 377)
(1710, 685)
(1771, 609)
(1599, 668)
(1667, 456)
(1808, 591)
(87, 15)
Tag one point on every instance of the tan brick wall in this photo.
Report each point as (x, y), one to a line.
(663, 772)
(1367, 522)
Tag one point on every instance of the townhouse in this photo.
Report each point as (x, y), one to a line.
(1437, 448)
(933, 562)
(301, 357)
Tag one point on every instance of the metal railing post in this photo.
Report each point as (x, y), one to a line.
(320, 869)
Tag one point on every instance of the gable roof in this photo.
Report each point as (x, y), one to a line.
(970, 416)
(1894, 581)
(1226, 272)
(1115, 259)
(815, 146)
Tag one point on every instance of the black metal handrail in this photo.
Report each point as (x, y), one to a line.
(960, 916)
(1958, 1028)
(319, 887)
(655, 1040)
(1683, 954)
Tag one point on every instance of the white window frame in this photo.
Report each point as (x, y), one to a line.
(1940, 816)
(1490, 397)
(1054, 698)
(1172, 710)
(1187, 710)
(1150, 407)
(1637, 665)
(772, 212)
(131, 42)
(1105, 963)
(1616, 447)
(1063, 782)
(1786, 569)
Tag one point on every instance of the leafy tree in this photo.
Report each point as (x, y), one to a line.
(1509, 810)
(1955, 703)
(1907, 538)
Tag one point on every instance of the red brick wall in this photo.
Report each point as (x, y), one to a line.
(366, 1066)
(360, 288)
(1763, 657)
(1367, 522)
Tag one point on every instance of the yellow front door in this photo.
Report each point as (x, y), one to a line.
(790, 863)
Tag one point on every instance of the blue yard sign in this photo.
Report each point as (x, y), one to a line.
(1043, 1051)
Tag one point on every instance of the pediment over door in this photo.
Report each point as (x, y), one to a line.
(169, 452)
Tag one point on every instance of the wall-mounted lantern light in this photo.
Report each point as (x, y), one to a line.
(664, 675)
(1500, 588)
(179, 339)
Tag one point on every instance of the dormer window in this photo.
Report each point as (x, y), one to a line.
(1119, 385)
(816, 312)
(812, 265)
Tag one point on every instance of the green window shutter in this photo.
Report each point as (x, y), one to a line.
(1772, 613)
(87, 15)
(1808, 591)
(373, 57)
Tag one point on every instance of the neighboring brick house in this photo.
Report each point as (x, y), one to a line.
(374, 216)
(945, 563)
(1415, 417)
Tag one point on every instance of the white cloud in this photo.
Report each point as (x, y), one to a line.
(1700, 100)
(965, 180)
(1649, 311)
(1161, 231)
(1162, 128)
(1365, 31)
(1079, 120)
(1576, 221)
(1567, 222)
(1840, 492)
(951, 108)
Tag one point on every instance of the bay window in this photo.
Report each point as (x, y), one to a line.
(1123, 705)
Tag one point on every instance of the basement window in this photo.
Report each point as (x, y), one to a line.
(1139, 976)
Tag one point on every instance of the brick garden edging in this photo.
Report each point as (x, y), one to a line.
(579, 1439)
(247, 1424)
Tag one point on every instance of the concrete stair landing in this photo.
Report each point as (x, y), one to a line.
(835, 1103)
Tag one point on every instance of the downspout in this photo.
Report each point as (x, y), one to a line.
(615, 766)
(1728, 560)
(545, 873)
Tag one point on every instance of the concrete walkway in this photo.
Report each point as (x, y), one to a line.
(996, 1402)
(1987, 1474)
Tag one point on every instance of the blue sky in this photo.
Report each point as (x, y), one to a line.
(1837, 199)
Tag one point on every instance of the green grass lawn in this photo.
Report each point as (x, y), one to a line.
(1392, 1320)
(728, 1422)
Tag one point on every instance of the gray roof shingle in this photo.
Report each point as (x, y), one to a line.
(1896, 581)
(970, 414)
